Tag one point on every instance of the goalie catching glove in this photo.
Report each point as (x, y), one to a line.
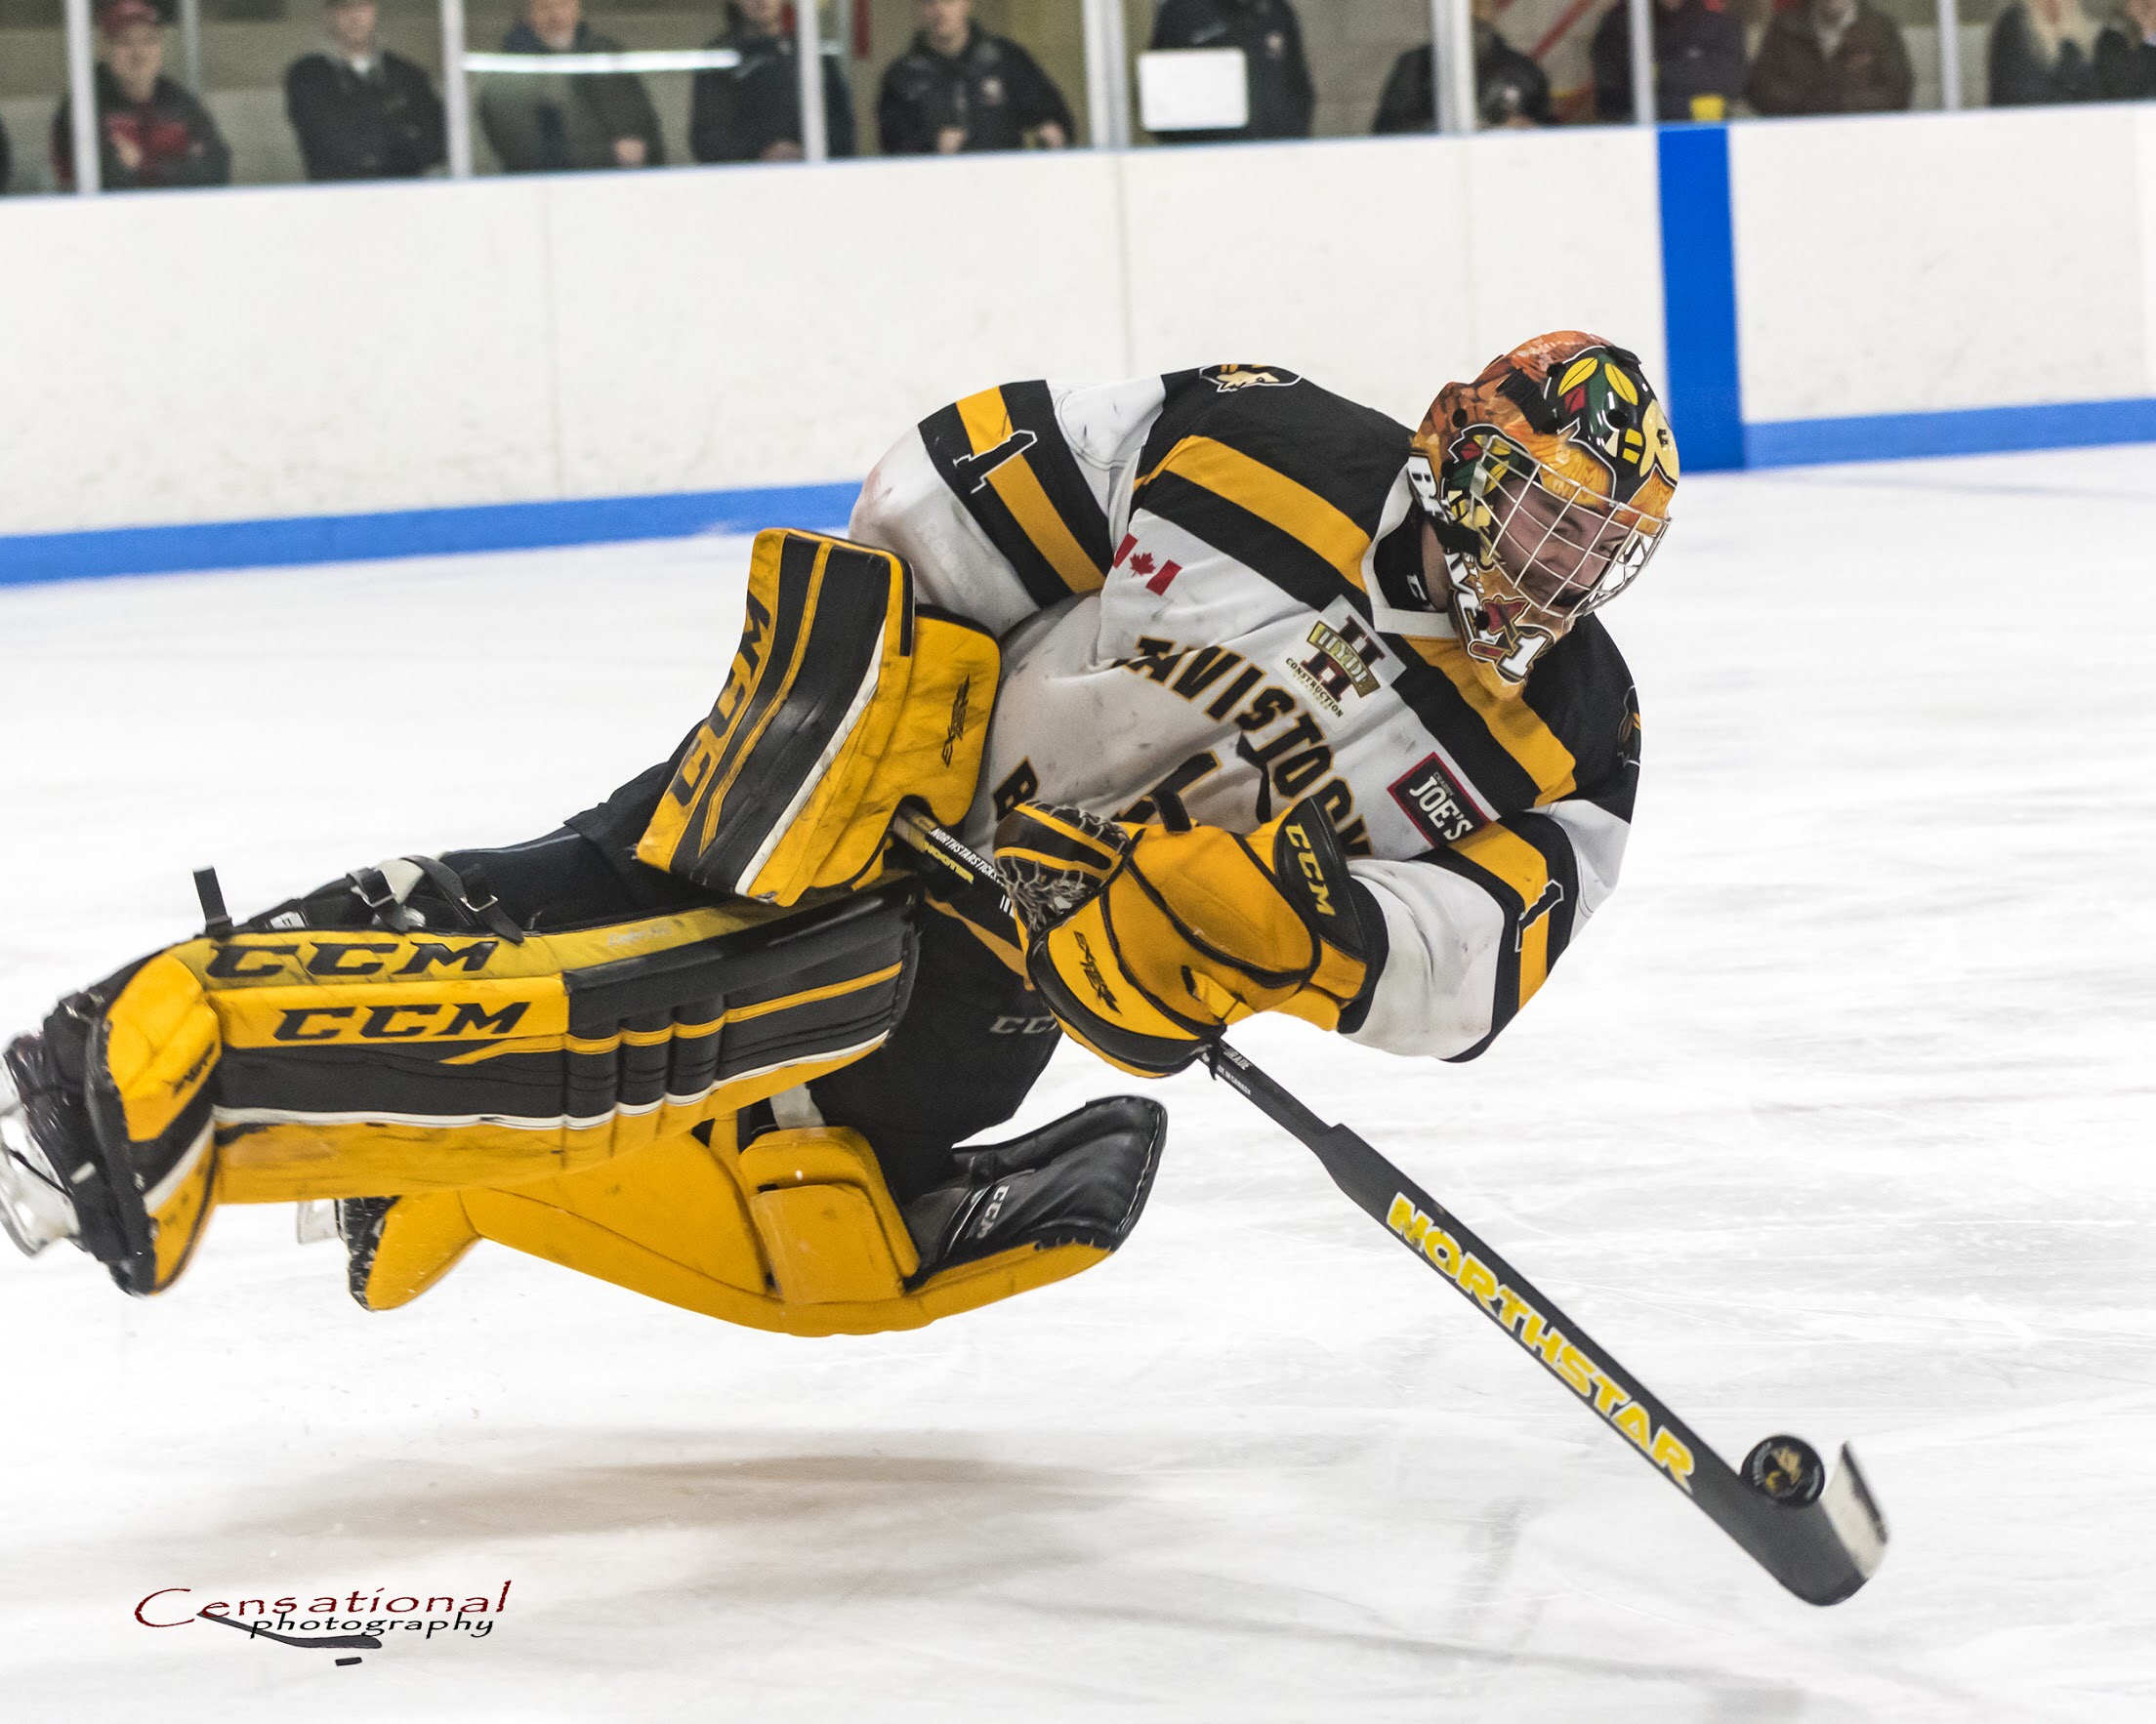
(1148, 943)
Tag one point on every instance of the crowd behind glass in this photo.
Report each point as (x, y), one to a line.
(359, 111)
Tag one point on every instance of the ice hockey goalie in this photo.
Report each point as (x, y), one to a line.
(1263, 702)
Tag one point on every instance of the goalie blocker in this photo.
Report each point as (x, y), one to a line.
(844, 699)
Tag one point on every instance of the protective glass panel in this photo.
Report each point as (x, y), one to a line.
(966, 76)
(189, 91)
(1701, 49)
(33, 76)
(2025, 53)
(312, 90)
(245, 93)
(227, 92)
(575, 86)
(1828, 56)
(1571, 53)
(1343, 69)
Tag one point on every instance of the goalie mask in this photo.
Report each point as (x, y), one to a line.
(1548, 482)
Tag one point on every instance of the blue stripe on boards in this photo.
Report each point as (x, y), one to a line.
(1968, 430)
(415, 532)
(1699, 297)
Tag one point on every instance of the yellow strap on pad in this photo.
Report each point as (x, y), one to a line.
(825, 1245)
(782, 1169)
(841, 703)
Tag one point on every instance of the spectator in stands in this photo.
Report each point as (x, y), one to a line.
(1282, 98)
(152, 133)
(1831, 57)
(2126, 55)
(958, 88)
(1509, 88)
(2043, 51)
(1698, 60)
(540, 124)
(360, 111)
(752, 111)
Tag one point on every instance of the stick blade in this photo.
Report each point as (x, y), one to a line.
(1860, 1525)
(1824, 1547)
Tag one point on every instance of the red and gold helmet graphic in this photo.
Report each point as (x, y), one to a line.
(1548, 481)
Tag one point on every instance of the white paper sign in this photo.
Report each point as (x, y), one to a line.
(1193, 90)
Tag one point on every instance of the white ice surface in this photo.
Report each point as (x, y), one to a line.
(1836, 1121)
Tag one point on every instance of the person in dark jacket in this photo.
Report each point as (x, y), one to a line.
(1282, 97)
(2043, 51)
(2126, 55)
(1831, 57)
(540, 125)
(152, 133)
(1698, 60)
(751, 112)
(361, 113)
(1509, 88)
(958, 88)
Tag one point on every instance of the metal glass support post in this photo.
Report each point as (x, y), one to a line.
(816, 131)
(1452, 41)
(1107, 75)
(1950, 55)
(1641, 20)
(84, 131)
(190, 42)
(456, 90)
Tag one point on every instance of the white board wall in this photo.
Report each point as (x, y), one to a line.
(260, 354)
(1925, 264)
(346, 349)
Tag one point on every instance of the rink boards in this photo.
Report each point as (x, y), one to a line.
(305, 372)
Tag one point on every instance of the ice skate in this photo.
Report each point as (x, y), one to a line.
(34, 1206)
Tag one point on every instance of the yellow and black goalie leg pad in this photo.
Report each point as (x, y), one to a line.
(382, 1065)
(117, 1091)
(796, 1231)
(296, 1064)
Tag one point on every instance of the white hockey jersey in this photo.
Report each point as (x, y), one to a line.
(1208, 587)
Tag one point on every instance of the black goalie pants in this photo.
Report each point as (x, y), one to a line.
(971, 1041)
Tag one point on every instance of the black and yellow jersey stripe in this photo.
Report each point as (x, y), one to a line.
(1291, 482)
(1005, 458)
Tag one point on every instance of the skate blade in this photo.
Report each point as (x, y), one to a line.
(34, 1212)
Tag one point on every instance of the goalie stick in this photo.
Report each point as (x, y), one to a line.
(1822, 1538)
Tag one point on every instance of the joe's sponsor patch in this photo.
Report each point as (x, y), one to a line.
(1435, 802)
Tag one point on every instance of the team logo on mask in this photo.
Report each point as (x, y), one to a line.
(1605, 409)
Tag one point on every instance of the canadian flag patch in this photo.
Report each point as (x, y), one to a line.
(1144, 566)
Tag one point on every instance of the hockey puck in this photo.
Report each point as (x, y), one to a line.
(1787, 1470)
